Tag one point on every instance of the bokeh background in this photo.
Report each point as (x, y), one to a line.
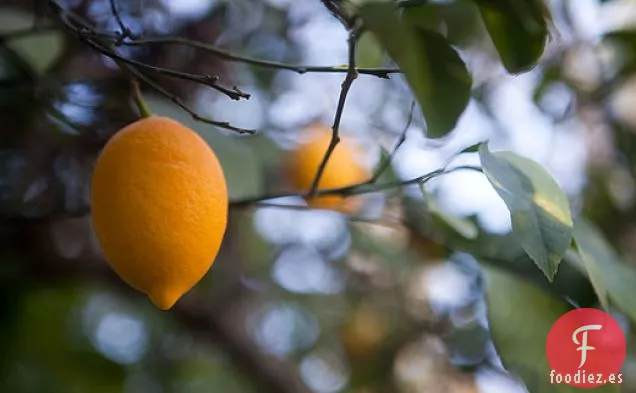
(299, 300)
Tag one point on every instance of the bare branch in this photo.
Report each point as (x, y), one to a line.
(216, 317)
(80, 28)
(385, 164)
(352, 74)
(356, 189)
(213, 50)
(124, 30)
(207, 80)
(221, 124)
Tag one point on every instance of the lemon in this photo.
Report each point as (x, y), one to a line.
(159, 207)
(344, 168)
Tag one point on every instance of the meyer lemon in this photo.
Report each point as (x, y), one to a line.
(159, 207)
(343, 169)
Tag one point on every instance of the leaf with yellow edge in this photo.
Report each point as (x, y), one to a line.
(540, 211)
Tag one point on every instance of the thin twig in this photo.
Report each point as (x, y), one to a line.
(286, 206)
(207, 80)
(83, 31)
(352, 74)
(120, 22)
(387, 162)
(182, 105)
(223, 54)
(356, 189)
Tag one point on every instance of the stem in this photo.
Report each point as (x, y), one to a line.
(144, 111)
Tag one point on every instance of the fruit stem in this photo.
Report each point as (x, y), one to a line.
(144, 111)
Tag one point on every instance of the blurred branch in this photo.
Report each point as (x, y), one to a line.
(213, 50)
(125, 31)
(387, 162)
(218, 321)
(352, 74)
(270, 374)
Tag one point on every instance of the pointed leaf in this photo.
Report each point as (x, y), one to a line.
(518, 29)
(437, 75)
(370, 53)
(520, 316)
(39, 50)
(474, 148)
(607, 273)
(594, 253)
(540, 212)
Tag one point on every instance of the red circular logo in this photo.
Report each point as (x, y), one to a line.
(586, 348)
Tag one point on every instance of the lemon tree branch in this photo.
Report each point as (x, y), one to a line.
(384, 165)
(125, 31)
(100, 41)
(233, 93)
(356, 189)
(176, 100)
(226, 55)
(352, 74)
(85, 33)
(214, 321)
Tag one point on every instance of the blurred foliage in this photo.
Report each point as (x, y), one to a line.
(408, 295)
(434, 70)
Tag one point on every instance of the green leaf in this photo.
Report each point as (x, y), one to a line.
(594, 253)
(519, 29)
(433, 69)
(540, 212)
(520, 316)
(243, 170)
(370, 53)
(470, 149)
(607, 273)
(39, 50)
(426, 16)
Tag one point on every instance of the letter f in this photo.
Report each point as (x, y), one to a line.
(584, 347)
